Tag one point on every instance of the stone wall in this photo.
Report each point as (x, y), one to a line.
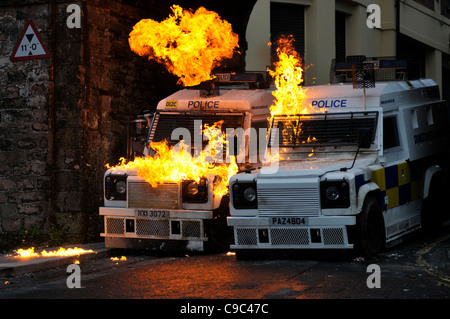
(63, 118)
(24, 128)
(120, 84)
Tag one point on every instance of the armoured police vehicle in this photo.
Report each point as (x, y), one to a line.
(183, 215)
(357, 171)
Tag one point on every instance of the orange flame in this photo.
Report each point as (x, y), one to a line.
(190, 44)
(289, 94)
(123, 258)
(26, 252)
(288, 77)
(60, 252)
(66, 252)
(174, 164)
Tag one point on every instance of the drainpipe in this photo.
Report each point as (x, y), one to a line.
(397, 29)
(51, 111)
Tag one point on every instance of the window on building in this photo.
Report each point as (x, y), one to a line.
(415, 53)
(445, 8)
(426, 3)
(287, 19)
(340, 36)
(446, 84)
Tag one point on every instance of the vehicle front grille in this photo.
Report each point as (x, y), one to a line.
(292, 201)
(191, 229)
(246, 236)
(114, 225)
(289, 236)
(294, 237)
(142, 194)
(155, 228)
(150, 227)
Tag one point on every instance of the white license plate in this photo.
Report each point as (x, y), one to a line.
(289, 221)
(152, 213)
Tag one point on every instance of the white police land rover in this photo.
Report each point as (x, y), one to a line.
(182, 215)
(353, 173)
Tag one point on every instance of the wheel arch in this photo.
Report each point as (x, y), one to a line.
(432, 174)
(369, 189)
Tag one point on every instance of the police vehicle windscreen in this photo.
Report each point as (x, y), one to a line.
(167, 122)
(322, 129)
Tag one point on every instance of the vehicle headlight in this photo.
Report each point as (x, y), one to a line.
(193, 192)
(335, 194)
(121, 187)
(332, 193)
(192, 188)
(250, 194)
(245, 195)
(116, 187)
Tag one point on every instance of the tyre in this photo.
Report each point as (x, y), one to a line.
(370, 223)
(219, 233)
(434, 210)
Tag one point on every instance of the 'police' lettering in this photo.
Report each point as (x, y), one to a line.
(203, 104)
(329, 103)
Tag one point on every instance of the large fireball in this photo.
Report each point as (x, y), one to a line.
(190, 44)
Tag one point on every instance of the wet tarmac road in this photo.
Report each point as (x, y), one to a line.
(417, 269)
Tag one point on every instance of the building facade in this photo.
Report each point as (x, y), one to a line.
(416, 30)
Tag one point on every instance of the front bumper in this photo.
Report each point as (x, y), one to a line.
(154, 244)
(158, 224)
(325, 232)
